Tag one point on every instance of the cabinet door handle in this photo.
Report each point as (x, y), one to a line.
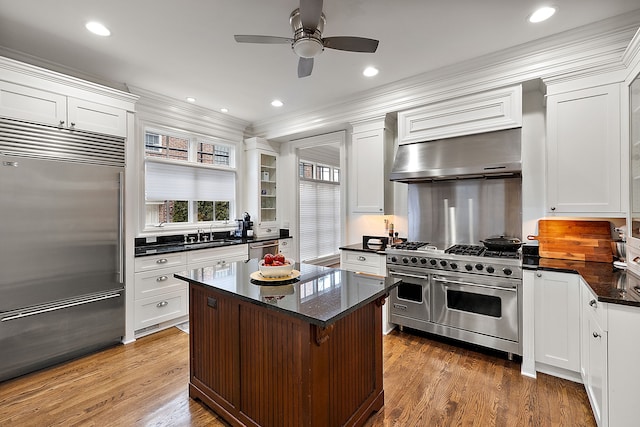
(553, 208)
(593, 303)
(61, 122)
(162, 261)
(162, 304)
(361, 258)
(162, 278)
(538, 274)
(596, 335)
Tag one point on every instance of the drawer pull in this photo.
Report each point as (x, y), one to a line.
(162, 261)
(593, 303)
(361, 258)
(162, 304)
(162, 279)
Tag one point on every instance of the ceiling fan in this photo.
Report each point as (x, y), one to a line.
(307, 23)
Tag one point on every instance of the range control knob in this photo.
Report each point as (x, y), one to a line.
(479, 267)
(405, 260)
(453, 266)
(443, 263)
(468, 267)
(490, 269)
(507, 271)
(394, 259)
(414, 260)
(433, 261)
(423, 260)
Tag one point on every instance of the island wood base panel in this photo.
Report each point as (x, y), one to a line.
(256, 366)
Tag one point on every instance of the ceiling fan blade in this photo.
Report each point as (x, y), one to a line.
(305, 66)
(263, 39)
(352, 44)
(310, 12)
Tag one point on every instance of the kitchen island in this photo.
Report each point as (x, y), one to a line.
(307, 352)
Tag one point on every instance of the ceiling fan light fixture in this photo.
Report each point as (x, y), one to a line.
(307, 47)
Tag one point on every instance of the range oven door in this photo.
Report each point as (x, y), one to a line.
(410, 299)
(477, 304)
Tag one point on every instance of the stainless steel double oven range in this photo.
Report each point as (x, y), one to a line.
(464, 292)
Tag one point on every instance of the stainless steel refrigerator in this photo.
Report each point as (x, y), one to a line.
(61, 275)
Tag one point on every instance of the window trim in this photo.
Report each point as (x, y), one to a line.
(193, 139)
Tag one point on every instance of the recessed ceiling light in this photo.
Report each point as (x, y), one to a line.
(370, 71)
(98, 29)
(542, 14)
(191, 99)
(277, 103)
(224, 110)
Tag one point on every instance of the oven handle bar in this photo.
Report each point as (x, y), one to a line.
(415, 276)
(506, 288)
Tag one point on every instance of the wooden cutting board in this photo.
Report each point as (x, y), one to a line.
(581, 240)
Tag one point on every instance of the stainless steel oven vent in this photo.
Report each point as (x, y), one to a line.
(472, 156)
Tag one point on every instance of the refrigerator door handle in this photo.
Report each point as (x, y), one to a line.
(120, 250)
(34, 312)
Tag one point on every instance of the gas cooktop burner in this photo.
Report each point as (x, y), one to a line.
(501, 254)
(473, 250)
(410, 246)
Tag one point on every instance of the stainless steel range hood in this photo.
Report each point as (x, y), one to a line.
(471, 156)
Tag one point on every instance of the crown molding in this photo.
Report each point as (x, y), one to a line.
(163, 110)
(586, 51)
(62, 83)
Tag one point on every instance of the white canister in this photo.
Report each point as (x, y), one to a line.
(265, 176)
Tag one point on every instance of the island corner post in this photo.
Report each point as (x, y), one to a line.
(256, 366)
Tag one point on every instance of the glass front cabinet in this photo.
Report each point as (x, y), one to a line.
(262, 195)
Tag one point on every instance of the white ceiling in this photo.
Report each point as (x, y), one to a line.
(182, 48)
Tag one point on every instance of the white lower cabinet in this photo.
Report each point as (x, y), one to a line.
(623, 377)
(161, 300)
(363, 262)
(368, 263)
(557, 324)
(607, 340)
(594, 363)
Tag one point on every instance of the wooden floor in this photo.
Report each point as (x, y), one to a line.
(427, 382)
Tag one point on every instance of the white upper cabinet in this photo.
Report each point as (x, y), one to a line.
(41, 106)
(584, 170)
(483, 112)
(370, 190)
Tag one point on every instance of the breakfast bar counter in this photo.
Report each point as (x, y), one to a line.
(307, 351)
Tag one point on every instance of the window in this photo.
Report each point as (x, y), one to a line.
(188, 180)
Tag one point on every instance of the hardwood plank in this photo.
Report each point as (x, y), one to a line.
(427, 381)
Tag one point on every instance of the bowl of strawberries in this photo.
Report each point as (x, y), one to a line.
(277, 265)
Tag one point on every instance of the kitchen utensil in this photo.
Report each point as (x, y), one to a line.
(502, 243)
(582, 240)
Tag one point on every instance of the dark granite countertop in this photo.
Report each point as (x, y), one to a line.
(320, 296)
(177, 245)
(607, 282)
(359, 247)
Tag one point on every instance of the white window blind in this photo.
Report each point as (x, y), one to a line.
(166, 181)
(319, 219)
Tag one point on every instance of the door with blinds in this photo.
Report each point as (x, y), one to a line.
(320, 219)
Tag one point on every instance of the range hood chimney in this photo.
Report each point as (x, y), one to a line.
(471, 156)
